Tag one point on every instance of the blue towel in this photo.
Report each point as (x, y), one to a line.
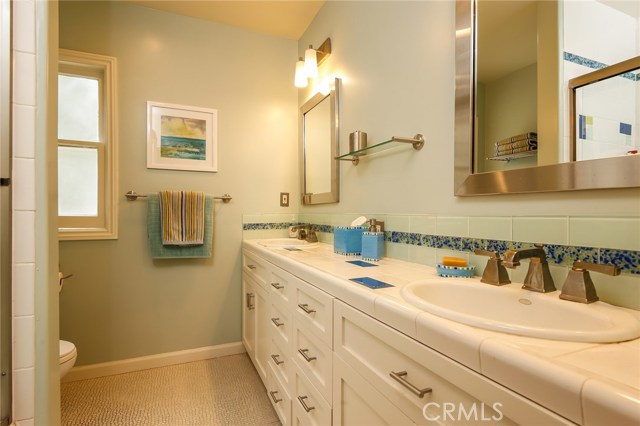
(154, 232)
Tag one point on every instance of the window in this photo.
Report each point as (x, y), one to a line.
(87, 186)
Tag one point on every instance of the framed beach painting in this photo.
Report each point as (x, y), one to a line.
(182, 137)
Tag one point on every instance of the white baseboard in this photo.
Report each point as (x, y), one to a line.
(85, 372)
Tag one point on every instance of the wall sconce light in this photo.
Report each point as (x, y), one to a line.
(313, 58)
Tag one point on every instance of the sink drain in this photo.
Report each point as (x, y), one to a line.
(524, 301)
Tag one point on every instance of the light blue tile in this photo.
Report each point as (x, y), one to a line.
(546, 230)
(279, 217)
(251, 218)
(622, 290)
(396, 223)
(618, 233)
(422, 224)
(423, 255)
(452, 226)
(497, 228)
(396, 251)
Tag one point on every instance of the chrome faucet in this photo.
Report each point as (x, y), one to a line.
(538, 276)
(578, 286)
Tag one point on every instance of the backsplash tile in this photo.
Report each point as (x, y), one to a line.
(620, 233)
(452, 226)
(547, 230)
(490, 227)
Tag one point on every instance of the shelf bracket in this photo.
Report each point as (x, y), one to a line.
(417, 141)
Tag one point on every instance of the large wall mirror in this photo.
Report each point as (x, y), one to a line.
(514, 61)
(319, 142)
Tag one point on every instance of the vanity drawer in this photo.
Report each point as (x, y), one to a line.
(280, 361)
(279, 397)
(281, 322)
(372, 350)
(309, 407)
(282, 286)
(256, 268)
(314, 309)
(314, 358)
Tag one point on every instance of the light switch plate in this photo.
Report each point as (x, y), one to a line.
(284, 199)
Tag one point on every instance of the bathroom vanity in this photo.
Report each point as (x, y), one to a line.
(332, 351)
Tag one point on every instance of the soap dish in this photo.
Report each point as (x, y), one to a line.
(455, 271)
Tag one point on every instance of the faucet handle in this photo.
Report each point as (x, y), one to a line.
(596, 267)
(494, 273)
(491, 254)
(578, 287)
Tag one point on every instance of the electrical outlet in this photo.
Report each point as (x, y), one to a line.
(284, 199)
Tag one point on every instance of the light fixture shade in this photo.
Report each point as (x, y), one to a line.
(311, 62)
(301, 75)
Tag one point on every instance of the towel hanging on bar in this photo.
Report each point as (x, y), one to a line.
(182, 217)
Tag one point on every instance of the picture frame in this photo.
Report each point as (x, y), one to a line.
(182, 137)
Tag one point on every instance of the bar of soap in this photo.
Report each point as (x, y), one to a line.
(453, 261)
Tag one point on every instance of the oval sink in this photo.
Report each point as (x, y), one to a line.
(287, 243)
(510, 309)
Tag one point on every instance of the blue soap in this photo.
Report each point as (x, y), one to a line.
(361, 263)
(371, 282)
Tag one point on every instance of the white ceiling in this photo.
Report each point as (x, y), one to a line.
(288, 18)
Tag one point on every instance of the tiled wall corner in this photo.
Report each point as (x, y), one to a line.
(24, 207)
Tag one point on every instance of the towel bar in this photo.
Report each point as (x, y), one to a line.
(133, 196)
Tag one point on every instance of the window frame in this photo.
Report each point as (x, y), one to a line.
(105, 225)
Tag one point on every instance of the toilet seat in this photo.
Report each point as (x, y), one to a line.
(67, 351)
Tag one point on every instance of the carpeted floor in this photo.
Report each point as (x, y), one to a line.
(222, 391)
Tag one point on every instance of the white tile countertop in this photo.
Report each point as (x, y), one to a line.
(587, 383)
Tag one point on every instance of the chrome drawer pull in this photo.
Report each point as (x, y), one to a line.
(277, 322)
(307, 358)
(277, 286)
(276, 360)
(250, 304)
(252, 267)
(305, 307)
(400, 378)
(304, 405)
(273, 397)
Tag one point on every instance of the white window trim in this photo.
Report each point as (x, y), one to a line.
(107, 65)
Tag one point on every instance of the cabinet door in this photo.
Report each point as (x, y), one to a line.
(263, 331)
(249, 316)
(357, 403)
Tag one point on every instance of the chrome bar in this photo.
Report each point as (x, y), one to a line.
(133, 196)
(274, 398)
(400, 378)
(305, 308)
(277, 322)
(304, 404)
(306, 357)
(275, 359)
(417, 141)
(277, 286)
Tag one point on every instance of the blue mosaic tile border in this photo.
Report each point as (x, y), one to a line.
(595, 65)
(627, 260)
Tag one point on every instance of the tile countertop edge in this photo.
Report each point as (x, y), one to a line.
(558, 386)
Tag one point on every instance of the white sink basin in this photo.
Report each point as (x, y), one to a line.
(287, 243)
(510, 309)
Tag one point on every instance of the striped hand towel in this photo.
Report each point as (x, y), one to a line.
(182, 217)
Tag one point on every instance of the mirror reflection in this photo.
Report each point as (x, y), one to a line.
(526, 53)
(319, 146)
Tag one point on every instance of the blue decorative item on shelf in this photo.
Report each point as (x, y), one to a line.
(455, 271)
(347, 240)
(372, 246)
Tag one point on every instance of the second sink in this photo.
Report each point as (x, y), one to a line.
(509, 309)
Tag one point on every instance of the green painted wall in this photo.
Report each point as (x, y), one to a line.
(120, 303)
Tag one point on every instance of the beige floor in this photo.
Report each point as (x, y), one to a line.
(221, 391)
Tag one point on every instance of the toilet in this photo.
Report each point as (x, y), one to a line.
(68, 355)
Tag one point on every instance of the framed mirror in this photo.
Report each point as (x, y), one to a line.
(319, 144)
(552, 170)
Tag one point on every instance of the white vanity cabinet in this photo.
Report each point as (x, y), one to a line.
(324, 362)
(426, 386)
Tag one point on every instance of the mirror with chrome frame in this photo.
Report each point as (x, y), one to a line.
(605, 173)
(319, 141)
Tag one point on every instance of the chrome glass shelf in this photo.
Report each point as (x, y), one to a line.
(417, 141)
(510, 157)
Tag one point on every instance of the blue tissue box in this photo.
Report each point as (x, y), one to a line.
(372, 246)
(348, 240)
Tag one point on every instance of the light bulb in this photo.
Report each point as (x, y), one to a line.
(311, 62)
(301, 75)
